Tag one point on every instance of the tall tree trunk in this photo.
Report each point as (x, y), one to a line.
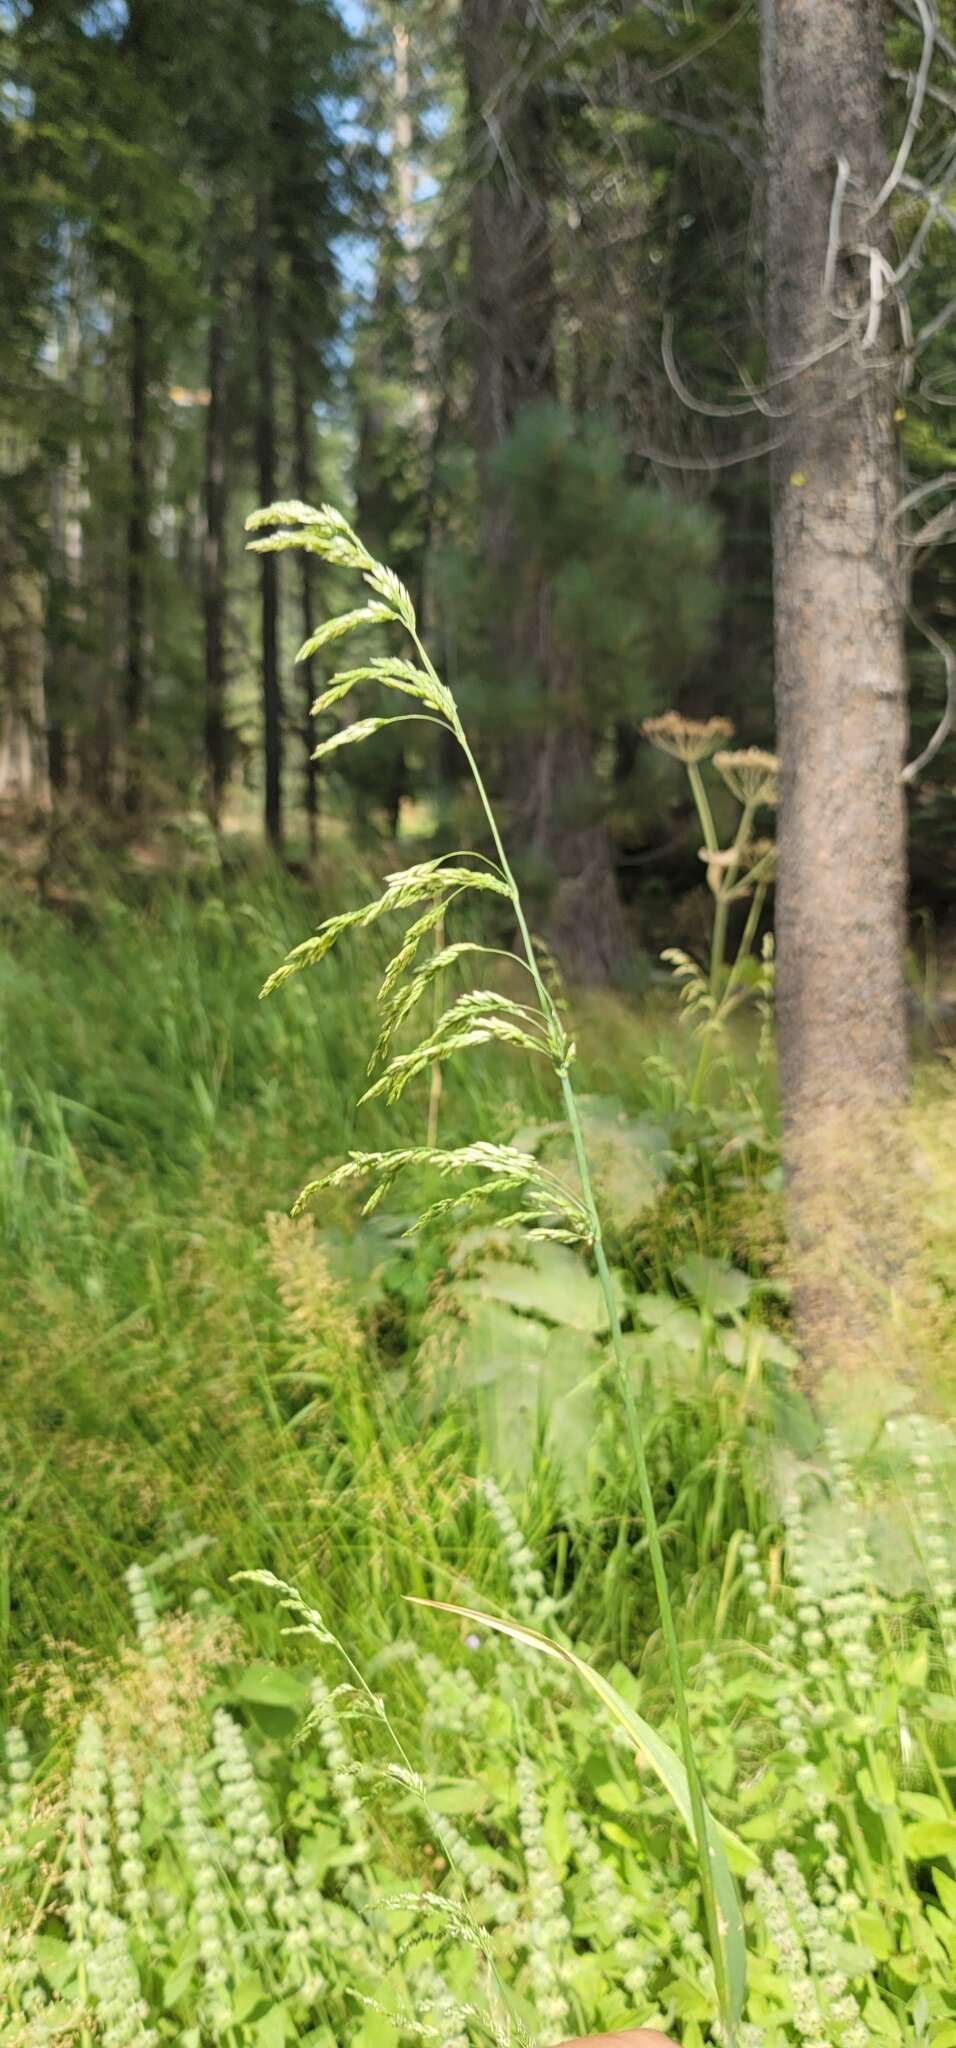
(840, 682)
(137, 546)
(551, 792)
(214, 556)
(302, 441)
(64, 608)
(264, 310)
(513, 296)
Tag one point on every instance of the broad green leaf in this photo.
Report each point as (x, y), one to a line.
(250, 1992)
(626, 1155)
(715, 1284)
(928, 1838)
(552, 1283)
(456, 1795)
(668, 1768)
(271, 1685)
(275, 2028)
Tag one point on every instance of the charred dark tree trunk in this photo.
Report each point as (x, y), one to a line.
(840, 681)
(551, 792)
(214, 558)
(137, 551)
(302, 439)
(264, 308)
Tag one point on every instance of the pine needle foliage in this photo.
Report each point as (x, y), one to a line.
(480, 1019)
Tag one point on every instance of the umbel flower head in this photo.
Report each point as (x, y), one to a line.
(687, 739)
(733, 872)
(750, 775)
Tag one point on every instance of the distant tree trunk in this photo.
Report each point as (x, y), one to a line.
(65, 578)
(214, 556)
(513, 295)
(840, 685)
(264, 310)
(137, 548)
(24, 776)
(302, 467)
(550, 787)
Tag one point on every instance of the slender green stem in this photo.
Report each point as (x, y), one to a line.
(702, 801)
(635, 1438)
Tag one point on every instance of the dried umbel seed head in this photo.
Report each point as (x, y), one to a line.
(687, 739)
(753, 863)
(721, 867)
(750, 775)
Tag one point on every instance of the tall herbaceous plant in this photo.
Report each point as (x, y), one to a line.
(533, 1198)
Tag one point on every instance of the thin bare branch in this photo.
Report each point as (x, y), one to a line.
(895, 175)
(944, 482)
(836, 224)
(742, 409)
(946, 723)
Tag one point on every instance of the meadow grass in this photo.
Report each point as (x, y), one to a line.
(192, 1390)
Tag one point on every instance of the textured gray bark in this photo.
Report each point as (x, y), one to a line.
(840, 675)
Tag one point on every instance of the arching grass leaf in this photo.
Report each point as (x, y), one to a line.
(667, 1767)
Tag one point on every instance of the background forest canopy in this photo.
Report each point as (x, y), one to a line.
(274, 250)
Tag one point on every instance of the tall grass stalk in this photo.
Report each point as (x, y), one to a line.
(544, 1206)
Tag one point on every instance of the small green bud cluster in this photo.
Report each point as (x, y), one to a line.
(791, 1954)
(531, 1600)
(89, 1882)
(126, 1816)
(498, 1906)
(822, 1950)
(20, 1985)
(936, 1543)
(455, 1703)
(339, 1764)
(782, 1631)
(121, 2012)
(211, 1914)
(613, 1906)
(849, 1609)
(262, 1871)
(548, 1929)
(19, 1771)
(145, 1615)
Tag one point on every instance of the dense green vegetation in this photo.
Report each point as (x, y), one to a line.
(192, 1390)
(516, 1596)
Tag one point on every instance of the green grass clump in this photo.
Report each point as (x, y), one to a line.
(195, 1385)
(222, 1846)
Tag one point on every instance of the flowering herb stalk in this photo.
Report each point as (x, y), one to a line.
(536, 1199)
